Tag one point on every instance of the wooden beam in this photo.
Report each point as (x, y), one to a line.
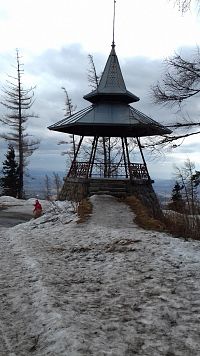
(128, 158)
(75, 156)
(124, 156)
(94, 148)
(140, 148)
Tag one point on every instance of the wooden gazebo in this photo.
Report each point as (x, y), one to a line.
(109, 115)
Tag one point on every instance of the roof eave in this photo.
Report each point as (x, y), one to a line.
(85, 129)
(126, 97)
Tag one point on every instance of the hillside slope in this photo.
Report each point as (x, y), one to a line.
(103, 287)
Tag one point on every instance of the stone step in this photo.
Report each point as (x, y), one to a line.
(107, 187)
(107, 192)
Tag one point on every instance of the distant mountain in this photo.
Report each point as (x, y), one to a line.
(163, 189)
(163, 186)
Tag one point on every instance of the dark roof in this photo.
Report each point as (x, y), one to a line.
(110, 119)
(112, 85)
(110, 114)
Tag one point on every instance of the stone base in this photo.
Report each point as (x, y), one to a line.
(75, 189)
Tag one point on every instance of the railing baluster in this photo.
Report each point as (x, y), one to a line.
(137, 170)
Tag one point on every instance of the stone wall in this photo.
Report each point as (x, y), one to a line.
(75, 189)
(146, 194)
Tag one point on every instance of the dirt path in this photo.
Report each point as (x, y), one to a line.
(100, 288)
(108, 212)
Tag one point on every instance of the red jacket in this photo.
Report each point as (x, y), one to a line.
(37, 205)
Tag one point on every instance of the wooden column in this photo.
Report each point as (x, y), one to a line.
(109, 158)
(140, 148)
(128, 158)
(75, 156)
(92, 156)
(105, 157)
(124, 155)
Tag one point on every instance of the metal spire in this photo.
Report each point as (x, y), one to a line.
(113, 42)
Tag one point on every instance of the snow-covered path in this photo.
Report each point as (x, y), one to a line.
(105, 287)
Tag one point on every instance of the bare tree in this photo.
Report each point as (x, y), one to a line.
(180, 82)
(184, 5)
(186, 203)
(47, 187)
(189, 180)
(93, 78)
(18, 101)
(69, 110)
(57, 184)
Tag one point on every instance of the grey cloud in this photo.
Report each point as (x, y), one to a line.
(189, 148)
(66, 63)
(68, 67)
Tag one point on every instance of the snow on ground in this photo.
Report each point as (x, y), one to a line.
(103, 287)
(21, 206)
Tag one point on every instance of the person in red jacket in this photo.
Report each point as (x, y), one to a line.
(37, 211)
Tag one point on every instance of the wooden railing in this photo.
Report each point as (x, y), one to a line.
(138, 171)
(115, 171)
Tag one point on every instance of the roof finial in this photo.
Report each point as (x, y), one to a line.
(113, 42)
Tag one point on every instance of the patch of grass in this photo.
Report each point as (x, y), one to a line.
(183, 225)
(84, 210)
(143, 217)
(177, 224)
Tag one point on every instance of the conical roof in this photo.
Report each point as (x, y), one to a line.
(110, 115)
(110, 120)
(112, 85)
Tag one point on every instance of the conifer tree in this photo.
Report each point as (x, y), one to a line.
(10, 180)
(177, 203)
(18, 102)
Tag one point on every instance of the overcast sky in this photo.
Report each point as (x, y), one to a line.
(54, 39)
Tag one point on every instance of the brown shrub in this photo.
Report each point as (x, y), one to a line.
(84, 210)
(178, 225)
(143, 217)
(183, 225)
